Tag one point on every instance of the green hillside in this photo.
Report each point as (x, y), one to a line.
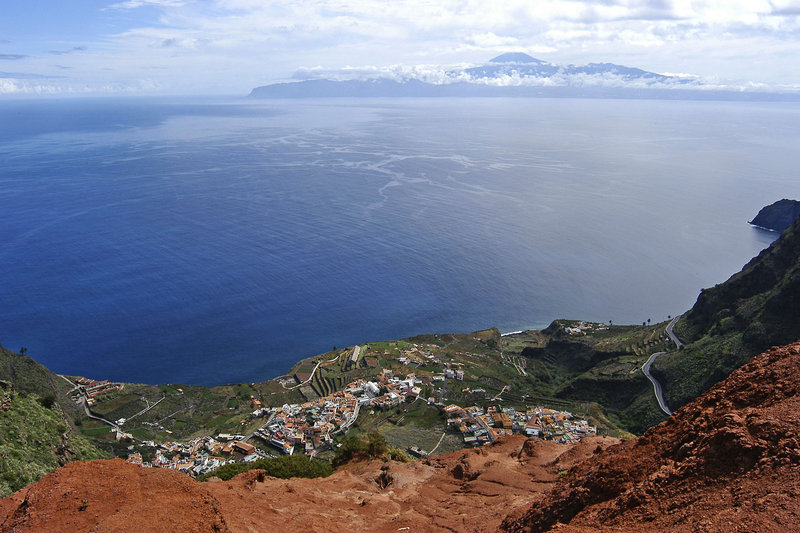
(29, 376)
(35, 438)
(755, 309)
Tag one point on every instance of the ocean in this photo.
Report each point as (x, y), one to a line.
(208, 241)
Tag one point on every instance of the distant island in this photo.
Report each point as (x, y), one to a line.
(777, 216)
(513, 75)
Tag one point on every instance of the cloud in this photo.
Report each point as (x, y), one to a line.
(181, 42)
(789, 8)
(133, 4)
(490, 40)
(435, 74)
(70, 51)
(494, 75)
(416, 27)
(12, 57)
(18, 87)
(28, 76)
(48, 85)
(251, 42)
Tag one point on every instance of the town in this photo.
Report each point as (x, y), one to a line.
(409, 372)
(310, 427)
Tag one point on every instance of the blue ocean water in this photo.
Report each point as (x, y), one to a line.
(215, 241)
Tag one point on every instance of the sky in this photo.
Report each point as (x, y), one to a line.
(96, 47)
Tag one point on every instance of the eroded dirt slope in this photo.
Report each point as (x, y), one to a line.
(729, 461)
(463, 491)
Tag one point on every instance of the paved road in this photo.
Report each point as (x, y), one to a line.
(675, 339)
(83, 403)
(145, 409)
(252, 433)
(100, 418)
(504, 389)
(646, 367)
(656, 384)
(74, 386)
(313, 372)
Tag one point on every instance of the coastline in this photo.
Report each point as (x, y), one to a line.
(763, 228)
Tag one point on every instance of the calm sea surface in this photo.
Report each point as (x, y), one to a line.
(218, 241)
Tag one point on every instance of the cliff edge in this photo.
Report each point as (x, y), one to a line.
(467, 490)
(724, 462)
(777, 216)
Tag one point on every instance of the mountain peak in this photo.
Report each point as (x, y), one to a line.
(516, 57)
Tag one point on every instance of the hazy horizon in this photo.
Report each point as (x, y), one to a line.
(173, 47)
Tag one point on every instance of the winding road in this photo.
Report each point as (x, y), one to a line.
(146, 408)
(656, 384)
(652, 358)
(673, 338)
(312, 373)
(95, 417)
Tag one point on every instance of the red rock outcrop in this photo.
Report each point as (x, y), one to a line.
(112, 496)
(469, 490)
(729, 461)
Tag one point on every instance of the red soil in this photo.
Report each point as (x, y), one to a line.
(726, 462)
(462, 491)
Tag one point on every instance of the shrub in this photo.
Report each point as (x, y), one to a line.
(284, 467)
(352, 446)
(374, 446)
(48, 401)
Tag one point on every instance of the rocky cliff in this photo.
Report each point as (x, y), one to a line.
(777, 216)
(462, 491)
(755, 309)
(725, 462)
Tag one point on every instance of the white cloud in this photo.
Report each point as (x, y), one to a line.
(490, 40)
(565, 76)
(785, 7)
(233, 45)
(435, 74)
(29, 85)
(133, 4)
(8, 86)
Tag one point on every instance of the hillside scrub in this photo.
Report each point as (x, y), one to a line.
(34, 440)
(284, 467)
(374, 446)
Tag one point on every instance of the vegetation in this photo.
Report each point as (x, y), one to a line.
(35, 439)
(373, 446)
(29, 376)
(284, 467)
(755, 309)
